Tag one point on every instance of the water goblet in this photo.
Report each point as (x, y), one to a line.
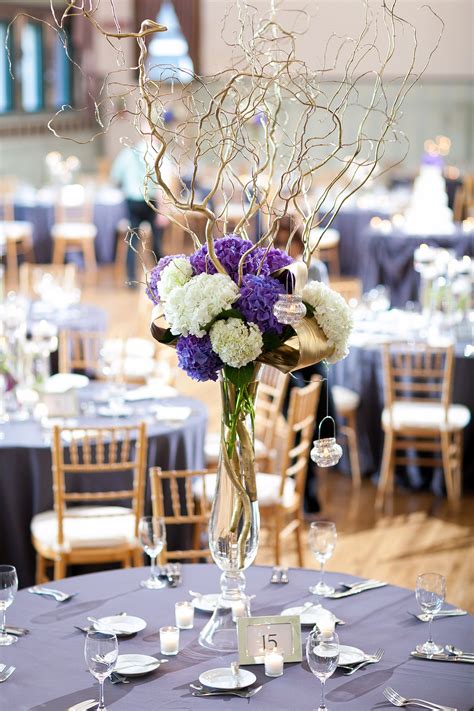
(322, 541)
(8, 588)
(101, 652)
(430, 594)
(152, 533)
(322, 654)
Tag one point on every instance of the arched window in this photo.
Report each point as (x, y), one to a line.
(168, 52)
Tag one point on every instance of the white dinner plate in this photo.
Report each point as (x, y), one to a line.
(206, 603)
(222, 678)
(350, 655)
(136, 664)
(115, 411)
(121, 625)
(61, 382)
(308, 615)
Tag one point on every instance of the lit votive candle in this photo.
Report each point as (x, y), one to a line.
(326, 622)
(169, 640)
(239, 609)
(184, 612)
(273, 663)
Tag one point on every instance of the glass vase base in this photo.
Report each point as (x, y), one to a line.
(220, 633)
(7, 639)
(321, 589)
(153, 584)
(429, 648)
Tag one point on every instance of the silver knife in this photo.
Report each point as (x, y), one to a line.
(443, 657)
(355, 591)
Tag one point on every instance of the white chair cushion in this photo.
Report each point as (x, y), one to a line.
(427, 415)
(86, 527)
(74, 230)
(268, 487)
(15, 230)
(345, 400)
(329, 239)
(212, 446)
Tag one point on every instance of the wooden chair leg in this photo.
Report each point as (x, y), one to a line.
(299, 545)
(447, 468)
(277, 538)
(457, 474)
(40, 569)
(137, 558)
(12, 262)
(351, 434)
(59, 251)
(59, 568)
(386, 470)
(90, 262)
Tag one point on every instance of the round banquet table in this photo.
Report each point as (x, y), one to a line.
(77, 317)
(51, 674)
(25, 464)
(387, 259)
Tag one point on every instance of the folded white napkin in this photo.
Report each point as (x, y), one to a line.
(176, 414)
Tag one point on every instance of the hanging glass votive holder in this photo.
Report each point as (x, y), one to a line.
(326, 452)
(289, 309)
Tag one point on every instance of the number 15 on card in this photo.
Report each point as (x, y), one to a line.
(258, 635)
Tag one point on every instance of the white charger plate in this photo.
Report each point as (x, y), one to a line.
(350, 655)
(205, 603)
(308, 615)
(222, 678)
(121, 625)
(136, 664)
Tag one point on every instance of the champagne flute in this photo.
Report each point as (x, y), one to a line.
(322, 541)
(8, 588)
(101, 652)
(430, 595)
(152, 534)
(322, 653)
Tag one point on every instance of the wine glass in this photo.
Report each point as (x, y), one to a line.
(322, 653)
(152, 534)
(101, 652)
(8, 588)
(322, 541)
(430, 594)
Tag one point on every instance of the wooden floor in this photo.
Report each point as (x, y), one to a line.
(420, 535)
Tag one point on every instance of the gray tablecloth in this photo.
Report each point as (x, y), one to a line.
(362, 372)
(51, 674)
(79, 317)
(352, 223)
(25, 468)
(106, 218)
(388, 259)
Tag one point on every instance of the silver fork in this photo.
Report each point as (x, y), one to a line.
(243, 694)
(397, 700)
(369, 659)
(6, 673)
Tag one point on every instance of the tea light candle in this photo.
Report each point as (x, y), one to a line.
(184, 612)
(169, 640)
(239, 609)
(326, 622)
(273, 663)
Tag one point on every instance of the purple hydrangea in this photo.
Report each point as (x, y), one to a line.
(155, 275)
(275, 259)
(197, 359)
(258, 295)
(229, 250)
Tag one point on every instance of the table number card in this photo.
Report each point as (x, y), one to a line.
(258, 635)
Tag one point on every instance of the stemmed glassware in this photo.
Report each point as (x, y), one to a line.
(430, 595)
(101, 652)
(8, 588)
(152, 533)
(322, 541)
(322, 654)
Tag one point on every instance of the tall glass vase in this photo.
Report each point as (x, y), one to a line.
(235, 522)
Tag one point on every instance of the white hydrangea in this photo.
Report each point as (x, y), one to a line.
(236, 342)
(333, 316)
(189, 308)
(175, 274)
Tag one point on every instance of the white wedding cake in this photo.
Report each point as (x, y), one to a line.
(428, 211)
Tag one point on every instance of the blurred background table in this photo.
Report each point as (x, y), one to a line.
(25, 462)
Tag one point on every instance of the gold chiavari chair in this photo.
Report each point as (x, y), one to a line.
(80, 350)
(186, 492)
(74, 228)
(74, 533)
(419, 415)
(17, 237)
(347, 403)
(281, 496)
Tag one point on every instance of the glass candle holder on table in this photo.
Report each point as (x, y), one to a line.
(184, 612)
(273, 662)
(169, 640)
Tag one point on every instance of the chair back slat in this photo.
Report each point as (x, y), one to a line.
(270, 396)
(80, 350)
(93, 450)
(176, 498)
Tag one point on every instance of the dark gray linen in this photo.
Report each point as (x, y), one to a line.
(387, 259)
(25, 468)
(352, 223)
(51, 674)
(106, 218)
(362, 372)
